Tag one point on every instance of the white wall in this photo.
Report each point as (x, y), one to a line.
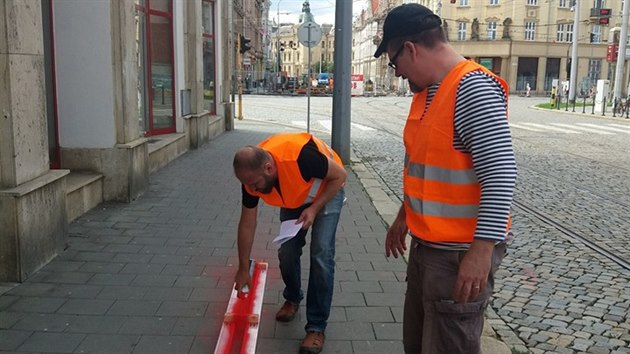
(83, 59)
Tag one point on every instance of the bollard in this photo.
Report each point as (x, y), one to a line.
(584, 105)
(604, 106)
(558, 100)
(566, 108)
(593, 108)
(615, 103)
(573, 109)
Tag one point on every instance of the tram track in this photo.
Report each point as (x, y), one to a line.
(572, 235)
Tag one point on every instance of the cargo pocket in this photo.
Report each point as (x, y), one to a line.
(459, 326)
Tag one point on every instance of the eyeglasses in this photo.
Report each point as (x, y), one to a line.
(392, 61)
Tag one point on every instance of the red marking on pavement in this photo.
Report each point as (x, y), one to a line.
(242, 317)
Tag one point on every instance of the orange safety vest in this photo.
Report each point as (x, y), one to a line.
(285, 149)
(441, 190)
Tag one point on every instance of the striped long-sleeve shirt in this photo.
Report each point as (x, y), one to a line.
(481, 129)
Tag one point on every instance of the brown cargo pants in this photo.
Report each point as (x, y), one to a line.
(433, 323)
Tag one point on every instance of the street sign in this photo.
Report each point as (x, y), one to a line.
(309, 34)
(247, 61)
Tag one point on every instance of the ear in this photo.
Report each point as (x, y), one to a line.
(269, 168)
(413, 49)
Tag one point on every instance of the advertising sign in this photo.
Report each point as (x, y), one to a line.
(357, 85)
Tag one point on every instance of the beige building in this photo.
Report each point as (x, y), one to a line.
(97, 95)
(293, 55)
(525, 42)
(291, 58)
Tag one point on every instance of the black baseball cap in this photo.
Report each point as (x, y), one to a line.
(405, 20)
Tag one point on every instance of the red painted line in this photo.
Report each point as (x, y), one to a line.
(239, 332)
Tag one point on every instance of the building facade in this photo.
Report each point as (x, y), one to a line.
(525, 42)
(291, 58)
(96, 95)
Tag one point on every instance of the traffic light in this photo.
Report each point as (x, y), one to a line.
(244, 44)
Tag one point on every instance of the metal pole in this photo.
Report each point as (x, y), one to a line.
(341, 91)
(574, 51)
(239, 65)
(277, 66)
(308, 87)
(621, 56)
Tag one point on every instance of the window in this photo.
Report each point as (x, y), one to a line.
(532, 2)
(569, 32)
(565, 32)
(563, 3)
(560, 34)
(209, 60)
(594, 68)
(599, 4)
(461, 31)
(494, 2)
(492, 30)
(596, 34)
(463, 2)
(154, 27)
(530, 30)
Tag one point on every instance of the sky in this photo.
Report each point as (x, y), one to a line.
(323, 10)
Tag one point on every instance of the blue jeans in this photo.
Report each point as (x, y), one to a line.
(322, 270)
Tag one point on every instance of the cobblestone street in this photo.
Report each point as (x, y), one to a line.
(565, 285)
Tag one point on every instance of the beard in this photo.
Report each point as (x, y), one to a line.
(413, 87)
(268, 187)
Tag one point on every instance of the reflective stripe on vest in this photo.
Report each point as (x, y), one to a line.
(312, 193)
(435, 173)
(442, 209)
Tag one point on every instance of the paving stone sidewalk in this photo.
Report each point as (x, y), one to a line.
(155, 275)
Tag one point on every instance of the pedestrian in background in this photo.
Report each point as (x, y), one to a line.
(304, 177)
(458, 182)
(528, 90)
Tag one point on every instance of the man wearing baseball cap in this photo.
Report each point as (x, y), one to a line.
(458, 182)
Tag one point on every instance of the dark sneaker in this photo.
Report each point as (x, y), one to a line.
(287, 312)
(312, 343)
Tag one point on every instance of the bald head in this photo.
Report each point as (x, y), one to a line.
(250, 158)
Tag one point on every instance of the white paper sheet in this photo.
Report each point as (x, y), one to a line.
(288, 230)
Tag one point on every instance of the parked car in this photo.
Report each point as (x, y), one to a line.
(323, 79)
(292, 83)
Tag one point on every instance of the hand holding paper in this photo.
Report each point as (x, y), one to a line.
(288, 230)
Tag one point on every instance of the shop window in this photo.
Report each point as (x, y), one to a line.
(140, 49)
(209, 61)
(156, 99)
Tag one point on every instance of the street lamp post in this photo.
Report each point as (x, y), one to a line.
(277, 66)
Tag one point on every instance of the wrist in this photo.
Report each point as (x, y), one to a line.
(482, 246)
